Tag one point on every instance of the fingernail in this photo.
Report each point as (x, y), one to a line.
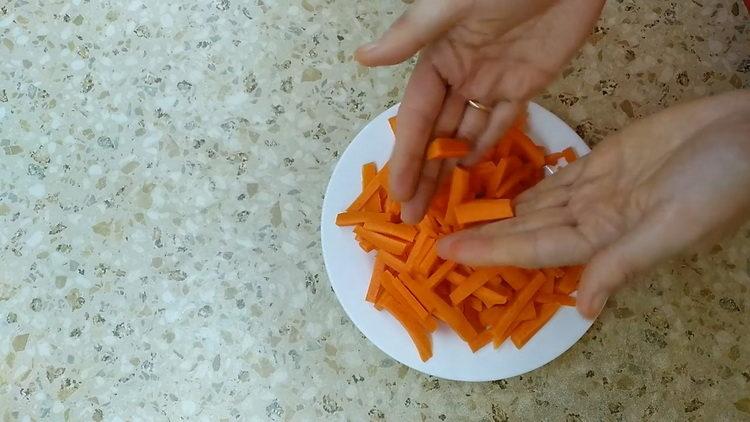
(444, 246)
(368, 47)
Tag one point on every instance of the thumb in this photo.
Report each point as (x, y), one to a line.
(418, 26)
(645, 245)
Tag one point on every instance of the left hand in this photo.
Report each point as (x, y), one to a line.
(497, 52)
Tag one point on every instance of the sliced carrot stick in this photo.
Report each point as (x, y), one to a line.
(471, 284)
(421, 243)
(400, 231)
(386, 243)
(569, 282)
(413, 328)
(351, 218)
(516, 306)
(373, 291)
(496, 177)
(527, 146)
(527, 329)
(483, 210)
(392, 207)
(558, 298)
(488, 296)
(428, 225)
(548, 286)
(482, 339)
(429, 261)
(510, 183)
(365, 245)
(392, 124)
(378, 182)
(553, 158)
(395, 288)
(514, 276)
(369, 171)
(441, 148)
(528, 312)
(459, 188)
(489, 316)
(475, 303)
(391, 261)
(439, 274)
(569, 154)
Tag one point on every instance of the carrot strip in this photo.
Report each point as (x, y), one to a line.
(392, 124)
(527, 329)
(569, 154)
(553, 158)
(489, 316)
(369, 171)
(429, 260)
(413, 328)
(439, 274)
(389, 244)
(441, 148)
(510, 183)
(475, 303)
(496, 177)
(489, 297)
(421, 243)
(395, 288)
(365, 245)
(558, 298)
(569, 282)
(393, 262)
(470, 284)
(458, 190)
(351, 218)
(527, 146)
(548, 286)
(373, 291)
(401, 231)
(483, 210)
(514, 276)
(515, 308)
(378, 182)
(528, 312)
(482, 339)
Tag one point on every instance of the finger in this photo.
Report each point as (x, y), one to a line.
(546, 247)
(472, 125)
(564, 177)
(645, 245)
(451, 114)
(416, 118)
(500, 119)
(414, 209)
(418, 26)
(555, 198)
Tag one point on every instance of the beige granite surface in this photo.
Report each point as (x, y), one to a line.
(162, 166)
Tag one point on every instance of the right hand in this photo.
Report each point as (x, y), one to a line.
(497, 52)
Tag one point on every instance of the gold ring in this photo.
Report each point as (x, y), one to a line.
(479, 106)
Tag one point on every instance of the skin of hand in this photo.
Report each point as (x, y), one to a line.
(675, 180)
(497, 52)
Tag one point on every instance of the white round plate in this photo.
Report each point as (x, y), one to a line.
(349, 270)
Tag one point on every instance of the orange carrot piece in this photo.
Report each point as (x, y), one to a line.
(395, 288)
(548, 286)
(428, 225)
(391, 261)
(439, 274)
(510, 183)
(365, 245)
(514, 276)
(421, 244)
(400, 231)
(441, 148)
(553, 158)
(373, 290)
(392, 124)
(516, 306)
(429, 260)
(493, 184)
(369, 171)
(483, 210)
(528, 312)
(475, 303)
(482, 339)
(569, 154)
(458, 191)
(379, 181)
(386, 243)
(440, 308)
(558, 298)
(488, 296)
(417, 333)
(471, 284)
(527, 329)
(351, 218)
(528, 147)
(489, 316)
(569, 282)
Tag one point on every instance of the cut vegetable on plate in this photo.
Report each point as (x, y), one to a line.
(457, 314)
(412, 283)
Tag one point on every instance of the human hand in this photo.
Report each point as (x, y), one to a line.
(678, 179)
(499, 53)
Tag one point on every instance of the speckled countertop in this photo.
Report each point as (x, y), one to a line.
(162, 169)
